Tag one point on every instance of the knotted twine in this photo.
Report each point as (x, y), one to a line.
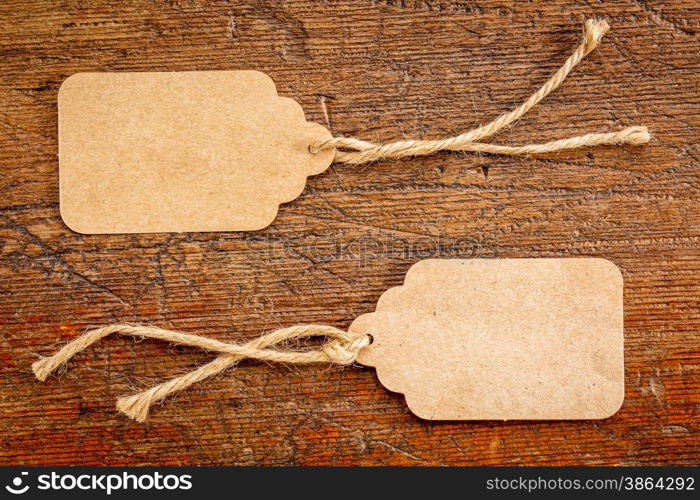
(356, 151)
(342, 347)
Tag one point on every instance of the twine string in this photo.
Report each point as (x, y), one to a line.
(341, 348)
(356, 151)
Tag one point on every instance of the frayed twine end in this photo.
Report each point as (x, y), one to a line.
(594, 31)
(42, 368)
(133, 407)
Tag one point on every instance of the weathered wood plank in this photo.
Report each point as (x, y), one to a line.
(383, 70)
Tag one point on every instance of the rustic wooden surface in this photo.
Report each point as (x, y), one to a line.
(382, 70)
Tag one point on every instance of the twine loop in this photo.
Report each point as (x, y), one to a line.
(341, 348)
(355, 151)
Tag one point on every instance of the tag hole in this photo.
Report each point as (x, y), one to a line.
(313, 149)
(371, 338)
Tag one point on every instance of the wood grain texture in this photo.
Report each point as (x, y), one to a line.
(383, 70)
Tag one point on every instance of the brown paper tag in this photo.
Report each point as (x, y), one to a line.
(502, 339)
(192, 151)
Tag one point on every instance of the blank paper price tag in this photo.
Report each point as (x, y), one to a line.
(170, 152)
(502, 339)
